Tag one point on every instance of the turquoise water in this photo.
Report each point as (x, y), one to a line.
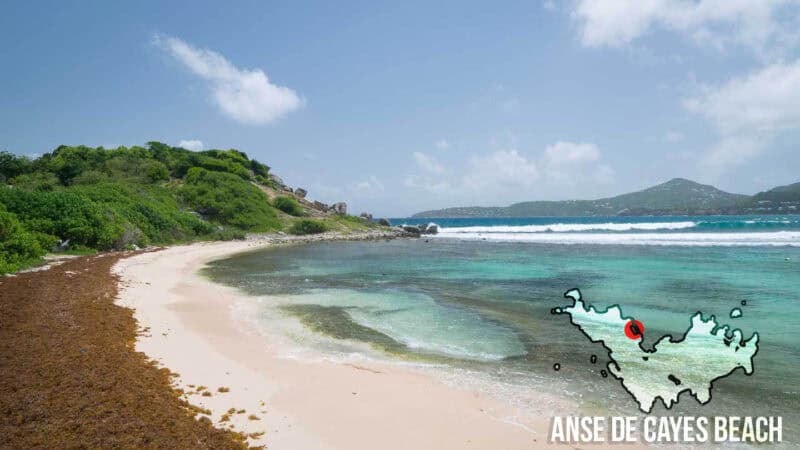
(474, 298)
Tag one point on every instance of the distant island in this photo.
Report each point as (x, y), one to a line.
(678, 196)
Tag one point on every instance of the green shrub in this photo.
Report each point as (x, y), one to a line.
(63, 214)
(90, 177)
(229, 200)
(101, 199)
(37, 181)
(105, 215)
(136, 169)
(288, 205)
(150, 214)
(13, 166)
(18, 247)
(308, 226)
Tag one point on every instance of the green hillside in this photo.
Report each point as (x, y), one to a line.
(677, 194)
(781, 199)
(80, 199)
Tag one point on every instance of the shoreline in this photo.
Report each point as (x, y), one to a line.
(296, 403)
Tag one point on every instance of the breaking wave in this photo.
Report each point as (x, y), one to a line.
(570, 227)
(780, 238)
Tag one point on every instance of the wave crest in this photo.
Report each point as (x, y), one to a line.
(780, 238)
(570, 227)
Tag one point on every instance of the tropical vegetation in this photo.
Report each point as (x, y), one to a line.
(79, 199)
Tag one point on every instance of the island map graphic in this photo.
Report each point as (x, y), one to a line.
(705, 353)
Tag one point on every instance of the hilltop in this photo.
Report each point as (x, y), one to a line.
(82, 199)
(677, 196)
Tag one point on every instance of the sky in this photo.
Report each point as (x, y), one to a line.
(399, 107)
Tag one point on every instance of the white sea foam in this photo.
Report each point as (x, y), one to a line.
(691, 239)
(570, 227)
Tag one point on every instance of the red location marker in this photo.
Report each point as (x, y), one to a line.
(634, 329)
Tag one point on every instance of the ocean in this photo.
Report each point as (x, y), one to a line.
(473, 302)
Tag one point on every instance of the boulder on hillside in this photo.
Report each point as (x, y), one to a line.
(300, 192)
(322, 206)
(277, 180)
(366, 216)
(339, 208)
(384, 222)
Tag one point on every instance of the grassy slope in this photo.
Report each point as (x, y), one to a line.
(102, 199)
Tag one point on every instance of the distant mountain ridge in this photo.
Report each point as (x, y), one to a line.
(677, 196)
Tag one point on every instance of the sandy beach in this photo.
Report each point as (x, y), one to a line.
(190, 328)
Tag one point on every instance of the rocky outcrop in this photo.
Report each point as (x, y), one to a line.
(279, 184)
(300, 192)
(277, 180)
(384, 222)
(339, 208)
(429, 228)
(412, 229)
(366, 216)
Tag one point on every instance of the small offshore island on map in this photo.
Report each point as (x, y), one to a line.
(706, 353)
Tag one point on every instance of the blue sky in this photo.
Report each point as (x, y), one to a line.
(397, 107)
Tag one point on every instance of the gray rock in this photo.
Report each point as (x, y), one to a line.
(339, 208)
(366, 216)
(287, 189)
(384, 222)
(423, 228)
(411, 229)
(432, 228)
(277, 180)
(320, 205)
(300, 192)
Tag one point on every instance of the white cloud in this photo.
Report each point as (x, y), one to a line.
(733, 150)
(426, 183)
(616, 23)
(191, 144)
(574, 163)
(370, 185)
(442, 144)
(244, 95)
(561, 170)
(428, 163)
(673, 136)
(571, 153)
(507, 168)
(766, 100)
(749, 111)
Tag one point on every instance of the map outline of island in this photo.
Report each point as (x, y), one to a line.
(667, 389)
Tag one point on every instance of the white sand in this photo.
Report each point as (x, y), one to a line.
(301, 404)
